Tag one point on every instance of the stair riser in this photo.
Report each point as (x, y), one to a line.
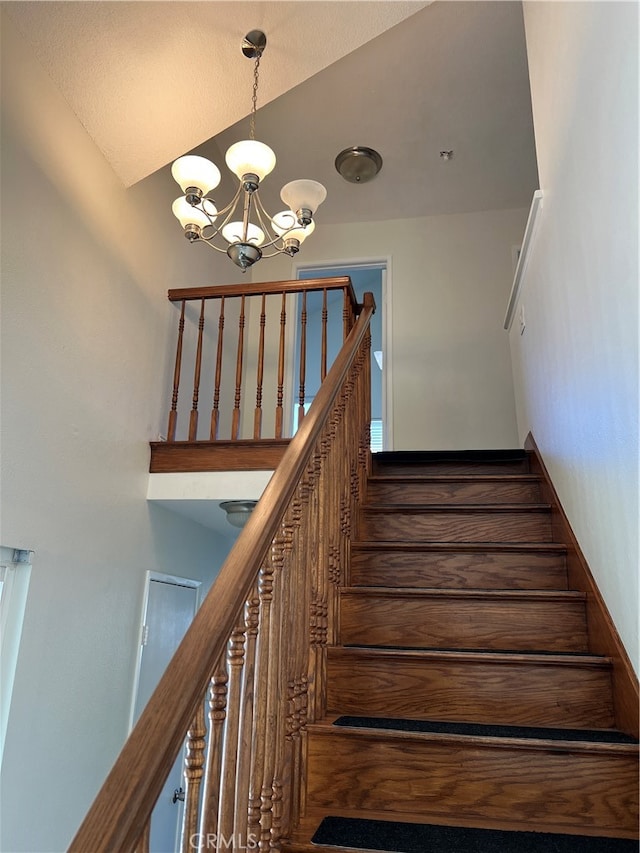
(509, 693)
(457, 570)
(431, 469)
(449, 623)
(538, 787)
(444, 493)
(452, 526)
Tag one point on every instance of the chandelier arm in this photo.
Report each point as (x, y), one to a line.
(229, 207)
(277, 241)
(210, 243)
(229, 210)
(261, 209)
(211, 216)
(246, 214)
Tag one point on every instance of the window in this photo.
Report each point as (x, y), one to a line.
(376, 435)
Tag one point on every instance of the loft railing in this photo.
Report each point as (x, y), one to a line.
(236, 341)
(250, 674)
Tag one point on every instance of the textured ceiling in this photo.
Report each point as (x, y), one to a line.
(452, 77)
(153, 80)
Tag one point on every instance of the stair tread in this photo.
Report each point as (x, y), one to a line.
(534, 733)
(473, 547)
(439, 592)
(459, 741)
(482, 655)
(452, 478)
(391, 457)
(461, 507)
(403, 837)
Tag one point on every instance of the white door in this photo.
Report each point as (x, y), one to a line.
(171, 603)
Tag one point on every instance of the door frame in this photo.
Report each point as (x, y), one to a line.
(383, 263)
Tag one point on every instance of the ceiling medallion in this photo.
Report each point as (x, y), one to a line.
(358, 164)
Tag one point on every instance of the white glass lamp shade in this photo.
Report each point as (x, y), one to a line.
(287, 219)
(238, 512)
(189, 215)
(250, 157)
(303, 194)
(232, 233)
(193, 171)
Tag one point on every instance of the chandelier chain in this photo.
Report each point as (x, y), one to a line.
(254, 98)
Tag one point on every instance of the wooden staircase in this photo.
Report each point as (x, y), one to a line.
(458, 614)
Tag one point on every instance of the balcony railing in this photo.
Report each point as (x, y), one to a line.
(238, 344)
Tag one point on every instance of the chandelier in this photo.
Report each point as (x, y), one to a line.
(244, 228)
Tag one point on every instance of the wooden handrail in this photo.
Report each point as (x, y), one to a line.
(268, 287)
(120, 813)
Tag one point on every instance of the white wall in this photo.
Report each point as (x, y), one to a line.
(84, 332)
(452, 382)
(576, 365)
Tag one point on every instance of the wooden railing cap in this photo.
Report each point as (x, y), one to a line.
(266, 287)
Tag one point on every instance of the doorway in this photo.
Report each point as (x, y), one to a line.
(366, 276)
(15, 573)
(170, 603)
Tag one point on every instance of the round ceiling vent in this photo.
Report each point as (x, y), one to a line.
(358, 164)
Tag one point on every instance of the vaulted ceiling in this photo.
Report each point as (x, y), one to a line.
(153, 80)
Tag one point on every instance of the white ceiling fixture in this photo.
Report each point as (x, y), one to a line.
(250, 161)
(238, 512)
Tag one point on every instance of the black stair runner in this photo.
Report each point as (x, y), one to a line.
(396, 837)
(483, 730)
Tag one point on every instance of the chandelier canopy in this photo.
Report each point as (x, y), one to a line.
(243, 227)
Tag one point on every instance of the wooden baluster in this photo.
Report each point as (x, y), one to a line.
(193, 420)
(290, 597)
(367, 401)
(274, 695)
(235, 662)
(235, 424)
(217, 715)
(322, 522)
(301, 797)
(173, 414)
(193, 772)
(215, 414)
(143, 842)
(257, 419)
(346, 313)
(293, 678)
(345, 520)
(323, 346)
(262, 725)
(245, 742)
(303, 356)
(333, 500)
(309, 627)
(280, 396)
